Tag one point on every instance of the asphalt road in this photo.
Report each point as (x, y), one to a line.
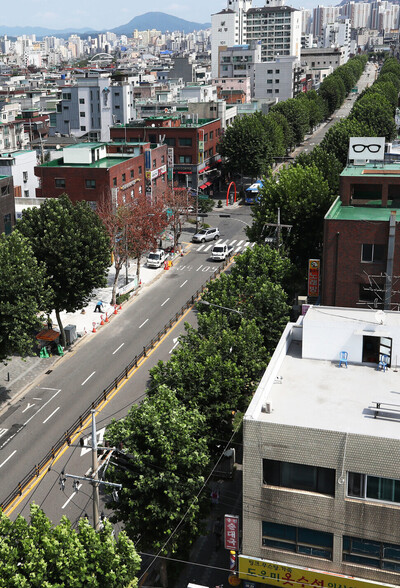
(33, 425)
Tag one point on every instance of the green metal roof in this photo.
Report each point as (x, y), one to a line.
(85, 146)
(357, 213)
(378, 170)
(104, 163)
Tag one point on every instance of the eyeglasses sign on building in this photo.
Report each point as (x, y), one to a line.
(262, 571)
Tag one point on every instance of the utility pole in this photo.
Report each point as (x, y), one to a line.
(278, 226)
(94, 479)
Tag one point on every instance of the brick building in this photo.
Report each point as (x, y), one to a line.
(361, 258)
(98, 172)
(192, 144)
(321, 483)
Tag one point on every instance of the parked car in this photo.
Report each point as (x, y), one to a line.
(156, 258)
(206, 235)
(221, 252)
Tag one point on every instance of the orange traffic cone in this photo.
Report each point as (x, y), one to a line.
(115, 309)
(120, 307)
(94, 327)
(106, 320)
(102, 319)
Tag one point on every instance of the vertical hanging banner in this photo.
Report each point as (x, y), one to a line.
(231, 532)
(313, 277)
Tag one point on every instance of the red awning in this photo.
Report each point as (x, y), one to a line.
(183, 173)
(208, 184)
(203, 186)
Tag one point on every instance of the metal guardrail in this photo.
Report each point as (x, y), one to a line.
(36, 471)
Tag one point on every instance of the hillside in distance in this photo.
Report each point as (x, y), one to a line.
(161, 22)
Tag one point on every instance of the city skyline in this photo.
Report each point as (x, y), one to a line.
(101, 15)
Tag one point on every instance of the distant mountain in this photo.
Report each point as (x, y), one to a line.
(159, 21)
(40, 31)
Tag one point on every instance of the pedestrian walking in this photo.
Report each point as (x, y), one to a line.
(217, 530)
(98, 307)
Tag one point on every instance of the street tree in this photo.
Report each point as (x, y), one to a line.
(303, 197)
(73, 244)
(378, 114)
(38, 555)
(215, 369)
(326, 162)
(161, 473)
(146, 221)
(282, 123)
(332, 91)
(24, 294)
(246, 147)
(297, 114)
(176, 201)
(336, 140)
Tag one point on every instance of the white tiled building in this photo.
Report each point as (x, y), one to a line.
(321, 477)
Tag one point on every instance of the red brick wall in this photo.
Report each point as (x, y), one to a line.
(343, 270)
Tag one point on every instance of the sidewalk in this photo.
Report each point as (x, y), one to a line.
(18, 374)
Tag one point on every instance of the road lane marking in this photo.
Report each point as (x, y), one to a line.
(240, 242)
(142, 325)
(29, 406)
(40, 409)
(176, 342)
(165, 301)
(49, 417)
(88, 378)
(71, 497)
(181, 286)
(232, 242)
(208, 247)
(86, 447)
(9, 457)
(201, 247)
(3, 431)
(118, 348)
(199, 268)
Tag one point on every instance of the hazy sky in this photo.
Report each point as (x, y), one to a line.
(105, 14)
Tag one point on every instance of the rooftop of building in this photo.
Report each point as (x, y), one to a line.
(188, 123)
(270, 9)
(373, 212)
(317, 393)
(104, 163)
(372, 169)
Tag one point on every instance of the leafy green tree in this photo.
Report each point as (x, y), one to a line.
(276, 134)
(326, 162)
(378, 114)
(390, 77)
(391, 65)
(206, 205)
(246, 147)
(297, 114)
(281, 122)
(166, 462)
(316, 107)
(38, 555)
(72, 242)
(215, 369)
(336, 140)
(333, 92)
(303, 197)
(23, 295)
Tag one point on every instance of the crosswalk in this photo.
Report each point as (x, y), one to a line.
(238, 246)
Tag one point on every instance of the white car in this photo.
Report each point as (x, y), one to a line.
(206, 235)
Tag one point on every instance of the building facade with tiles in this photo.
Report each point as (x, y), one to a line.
(321, 482)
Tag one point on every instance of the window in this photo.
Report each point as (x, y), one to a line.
(66, 96)
(132, 174)
(162, 158)
(297, 539)
(154, 163)
(66, 107)
(169, 141)
(185, 141)
(299, 476)
(185, 159)
(66, 122)
(26, 193)
(83, 128)
(25, 176)
(114, 182)
(91, 184)
(270, 71)
(82, 114)
(205, 137)
(140, 170)
(124, 177)
(140, 189)
(211, 135)
(117, 107)
(385, 556)
(372, 253)
(153, 138)
(277, 71)
(81, 101)
(4, 191)
(59, 182)
(276, 81)
(373, 487)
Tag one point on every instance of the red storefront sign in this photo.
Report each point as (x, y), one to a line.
(231, 532)
(313, 277)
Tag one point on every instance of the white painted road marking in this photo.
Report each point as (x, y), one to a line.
(199, 268)
(88, 378)
(142, 325)
(176, 341)
(165, 301)
(49, 417)
(3, 431)
(29, 406)
(118, 348)
(71, 497)
(201, 247)
(208, 247)
(9, 457)
(181, 286)
(99, 436)
(41, 408)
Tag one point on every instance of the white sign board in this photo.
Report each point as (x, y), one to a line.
(363, 148)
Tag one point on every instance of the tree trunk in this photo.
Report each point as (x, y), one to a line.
(118, 267)
(163, 573)
(61, 327)
(138, 266)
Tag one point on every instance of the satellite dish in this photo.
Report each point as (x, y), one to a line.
(58, 147)
(380, 317)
